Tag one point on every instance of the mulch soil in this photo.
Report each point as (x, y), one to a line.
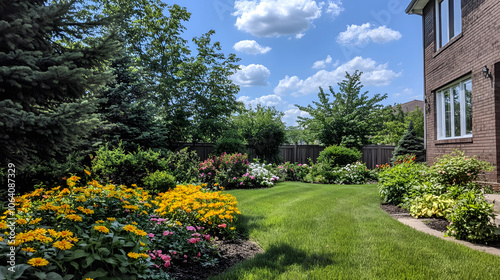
(231, 252)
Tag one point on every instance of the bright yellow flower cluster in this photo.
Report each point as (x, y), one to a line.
(192, 203)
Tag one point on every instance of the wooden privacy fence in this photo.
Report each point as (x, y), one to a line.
(372, 154)
(376, 155)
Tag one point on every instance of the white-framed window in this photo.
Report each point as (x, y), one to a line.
(448, 21)
(454, 110)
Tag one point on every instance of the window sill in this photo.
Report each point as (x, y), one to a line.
(447, 45)
(454, 141)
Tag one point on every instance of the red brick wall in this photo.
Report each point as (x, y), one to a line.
(478, 45)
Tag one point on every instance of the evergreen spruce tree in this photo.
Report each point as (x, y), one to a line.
(49, 64)
(127, 114)
(410, 144)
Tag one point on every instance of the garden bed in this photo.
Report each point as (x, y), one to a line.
(231, 252)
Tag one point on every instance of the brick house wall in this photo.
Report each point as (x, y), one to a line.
(465, 55)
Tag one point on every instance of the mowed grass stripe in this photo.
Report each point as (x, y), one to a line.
(311, 231)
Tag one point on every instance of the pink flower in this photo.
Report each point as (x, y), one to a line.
(196, 234)
(185, 256)
(191, 228)
(234, 178)
(193, 240)
(165, 233)
(222, 225)
(468, 174)
(167, 264)
(253, 178)
(207, 237)
(151, 235)
(241, 183)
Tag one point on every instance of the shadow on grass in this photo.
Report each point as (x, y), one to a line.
(278, 259)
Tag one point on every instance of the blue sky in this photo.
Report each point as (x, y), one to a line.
(290, 48)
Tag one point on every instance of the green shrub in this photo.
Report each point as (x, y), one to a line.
(225, 170)
(430, 205)
(121, 167)
(458, 169)
(183, 165)
(355, 173)
(322, 173)
(231, 142)
(336, 156)
(410, 144)
(159, 181)
(471, 218)
(395, 183)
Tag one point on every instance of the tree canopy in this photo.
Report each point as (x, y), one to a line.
(349, 118)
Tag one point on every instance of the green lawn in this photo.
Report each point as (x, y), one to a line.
(311, 231)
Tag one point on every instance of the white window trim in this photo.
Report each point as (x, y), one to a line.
(451, 18)
(441, 112)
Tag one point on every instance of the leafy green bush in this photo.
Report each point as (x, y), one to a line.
(458, 169)
(225, 170)
(335, 156)
(231, 142)
(159, 181)
(430, 205)
(121, 167)
(471, 218)
(321, 173)
(355, 173)
(395, 183)
(183, 165)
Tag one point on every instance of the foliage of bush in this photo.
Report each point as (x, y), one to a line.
(292, 171)
(335, 156)
(410, 144)
(231, 142)
(471, 218)
(430, 205)
(458, 169)
(159, 181)
(126, 168)
(183, 165)
(395, 182)
(222, 170)
(102, 231)
(355, 173)
(259, 175)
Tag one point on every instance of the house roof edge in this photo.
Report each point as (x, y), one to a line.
(416, 7)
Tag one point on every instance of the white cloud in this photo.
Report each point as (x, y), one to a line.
(251, 75)
(365, 33)
(274, 18)
(290, 117)
(373, 75)
(266, 100)
(321, 64)
(334, 8)
(250, 47)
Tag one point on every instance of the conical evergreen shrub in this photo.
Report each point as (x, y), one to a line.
(410, 144)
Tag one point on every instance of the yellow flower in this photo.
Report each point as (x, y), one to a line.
(145, 256)
(140, 232)
(3, 225)
(129, 228)
(87, 172)
(179, 223)
(38, 262)
(133, 255)
(29, 249)
(102, 229)
(74, 217)
(142, 243)
(99, 222)
(35, 221)
(63, 244)
(21, 221)
(65, 234)
(111, 219)
(134, 223)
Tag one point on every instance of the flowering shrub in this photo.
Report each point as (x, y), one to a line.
(259, 175)
(355, 173)
(395, 182)
(458, 169)
(61, 231)
(223, 169)
(292, 171)
(192, 205)
(95, 230)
